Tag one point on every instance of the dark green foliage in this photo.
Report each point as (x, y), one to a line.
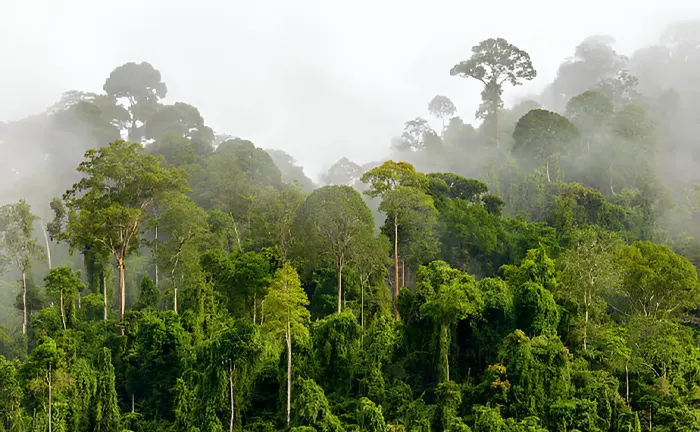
(543, 268)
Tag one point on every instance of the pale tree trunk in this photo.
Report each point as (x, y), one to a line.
(133, 403)
(262, 311)
(24, 302)
(63, 312)
(362, 314)
(340, 285)
(48, 380)
(232, 385)
(289, 372)
(549, 180)
(104, 292)
(586, 301)
(48, 245)
(627, 384)
(122, 288)
(446, 349)
(155, 258)
(396, 266)
(255, 307)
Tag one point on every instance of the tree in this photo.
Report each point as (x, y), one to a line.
(140, 84)
(330, 222)
(66, 285)
(385, 179)
(106, 209)
(272, 216)
(656, 282)
(182, 119)
(417, 135)
(442, 108)
(451, 296)
(183, 225)
(343, 172)
(232, 350)
(286, 313)
(18, 244)
(588, 273)
(105, 406)
(495, 62)
(543, 134)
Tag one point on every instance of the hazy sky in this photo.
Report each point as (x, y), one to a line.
(318, 79)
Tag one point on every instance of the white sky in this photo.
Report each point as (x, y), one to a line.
(317, 79)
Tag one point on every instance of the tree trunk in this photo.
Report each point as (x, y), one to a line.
(174, 297)
(549, 180)
(262, 311)
(104, 291)
(155, 245)
(24, 302)
(255, 307)
(396, 266)
(133, 403)
(48, 245)
(121, 264)
(48, 380)
(63, 312)
(232, 383)
(585, 325)
(362, 314)
(289, 372)
(340, 286)
(627, 384)
(446, 350)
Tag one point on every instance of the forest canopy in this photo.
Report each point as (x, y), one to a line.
(535, 270)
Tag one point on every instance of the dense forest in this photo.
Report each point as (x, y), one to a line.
(535, 270)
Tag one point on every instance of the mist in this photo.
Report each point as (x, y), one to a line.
(330, 91)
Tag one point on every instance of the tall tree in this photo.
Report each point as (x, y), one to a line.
(442, 108)
(109, 205)
(544, 135)
(140, 84)
(494, 62)
(61, 282)
(287, 315)
(183, 227)
(331, 221)
(19, 245)
(382, 181)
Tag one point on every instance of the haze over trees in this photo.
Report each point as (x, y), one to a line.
(536, 270)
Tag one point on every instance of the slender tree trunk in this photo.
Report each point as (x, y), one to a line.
(231, 380)
(48, 245)
(627, 383)
(48, 380)
(549, 180)
(155, 245)
(24, 302)
(174, 297)
(133, 403)
(289, 372)
(340, 285)
(362, 314)
(121, 264)
(63, 312)
(255, 307)
(586, 299)
(446, 350)
(104, 292)
(396, 266)
(262, 311)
